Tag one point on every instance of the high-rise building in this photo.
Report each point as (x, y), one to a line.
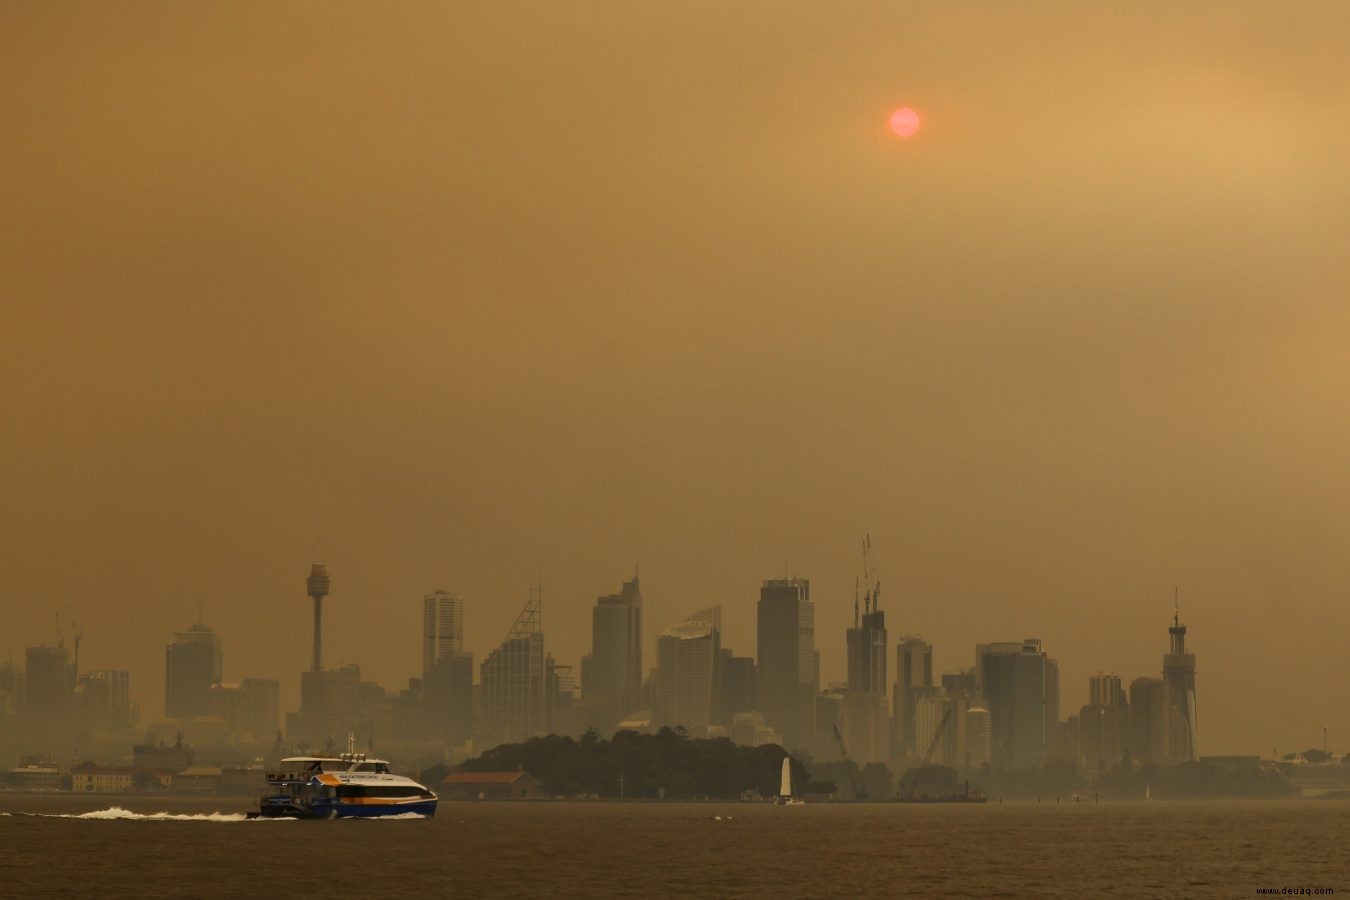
(1149, 717)
(11, 702)
(1179, 674)
(913, 675)
(738, 685)
(688, 656)
(1054, 730)
(47, 703)
(612, 682)
(513, 679)
(979, 737)
(1104, 723)
(786, 626)
(447, 697)
(442, 628)
(866, 648)
(192, 665)
(1012, 678)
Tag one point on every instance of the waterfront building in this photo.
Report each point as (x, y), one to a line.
(48, 688)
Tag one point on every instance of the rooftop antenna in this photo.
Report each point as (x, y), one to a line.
(855, 601)
(1176, 606)
(77, 635)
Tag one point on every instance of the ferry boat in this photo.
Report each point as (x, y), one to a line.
(337, 787)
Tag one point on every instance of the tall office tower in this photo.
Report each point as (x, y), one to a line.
(1012, 677)
(447, 698)
(612, 682)
(192, 664)
(1104, 723)
(1149, 716)
(48, 690)
(316, 586)
(1054, 731)
(786, 626)
(738, 685)
(1179, 674)
(866, 648)
(913, 674)
(513, 678)
(687, 660)
(442, 627)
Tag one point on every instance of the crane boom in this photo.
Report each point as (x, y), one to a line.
(937, 736)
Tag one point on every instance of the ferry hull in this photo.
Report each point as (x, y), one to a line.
(424, 808)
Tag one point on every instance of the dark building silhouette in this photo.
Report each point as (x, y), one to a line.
(192, 666)
(1012, 679)
(49, 684)
(788, 679)
(1150, 714)
(738, 685)
(612, 673)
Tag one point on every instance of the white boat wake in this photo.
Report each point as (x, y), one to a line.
(117, 813)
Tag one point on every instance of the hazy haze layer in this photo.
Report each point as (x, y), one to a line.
(450, 296)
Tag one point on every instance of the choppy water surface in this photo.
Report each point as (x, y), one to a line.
(55, 844)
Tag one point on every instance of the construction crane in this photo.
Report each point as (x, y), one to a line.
(937, 736)
(907, 783)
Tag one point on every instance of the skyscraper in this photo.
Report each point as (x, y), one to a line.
(913, 676)
(513, 678)
(1179, 675)
(866, 717)
(1012, 678)
(1149, 717)
(49, 684)
(1104, 723)
(442, 627)
(613, 672)
(688, 656)
(192, 664)
(787, 658)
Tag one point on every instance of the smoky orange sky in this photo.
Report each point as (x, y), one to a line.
(449, 295)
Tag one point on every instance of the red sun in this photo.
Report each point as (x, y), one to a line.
(905, 122)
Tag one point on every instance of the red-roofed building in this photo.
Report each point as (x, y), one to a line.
(519, 785)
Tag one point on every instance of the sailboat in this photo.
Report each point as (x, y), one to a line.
(785, 797)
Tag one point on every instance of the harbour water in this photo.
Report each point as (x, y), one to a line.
(138, 846)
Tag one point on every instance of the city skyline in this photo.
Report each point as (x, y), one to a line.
(448, 296)
(869, 700)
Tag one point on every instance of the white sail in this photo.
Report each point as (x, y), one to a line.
(785, 790)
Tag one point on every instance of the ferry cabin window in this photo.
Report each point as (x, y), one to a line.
(392, 791)
(371, 767)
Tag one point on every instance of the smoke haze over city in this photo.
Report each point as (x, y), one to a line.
(454, 298)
